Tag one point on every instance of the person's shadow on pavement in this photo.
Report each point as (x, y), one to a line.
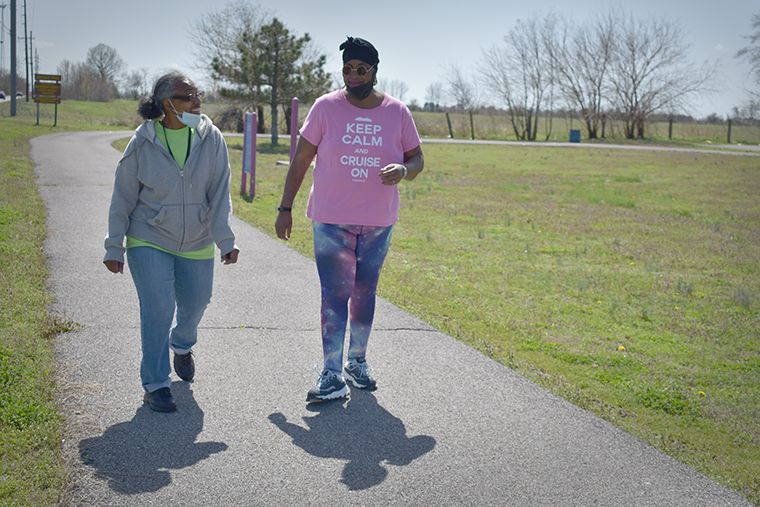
(361, 432)
(134, 455)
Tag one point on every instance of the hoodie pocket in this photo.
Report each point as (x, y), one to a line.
(159, 218)
(168, 219)
(203, 216)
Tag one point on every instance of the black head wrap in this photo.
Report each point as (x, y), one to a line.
(359, 49)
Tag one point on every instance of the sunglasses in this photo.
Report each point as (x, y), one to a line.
(190, 96)
(361, 70)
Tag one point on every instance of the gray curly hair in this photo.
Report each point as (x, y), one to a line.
(151, 107)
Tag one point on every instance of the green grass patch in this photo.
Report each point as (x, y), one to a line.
(627, 282)
(29, 426)
(31, 470)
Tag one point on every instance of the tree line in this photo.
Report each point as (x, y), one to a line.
(613, 66)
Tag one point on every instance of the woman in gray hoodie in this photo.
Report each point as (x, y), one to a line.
(171, 201)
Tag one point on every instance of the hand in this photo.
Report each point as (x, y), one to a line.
(392, 174)
(230, 258)
(284, 224)
(114, 266)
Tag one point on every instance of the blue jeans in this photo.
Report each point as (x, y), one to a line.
(167, 284)
(349, 260)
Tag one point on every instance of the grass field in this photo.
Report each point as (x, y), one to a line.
(625, 281)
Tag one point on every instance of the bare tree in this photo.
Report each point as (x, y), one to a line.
(82, 82)
(519, 73)
(395, 88)
(751, 53)
(582, 57)
(651, 72)
(748, 114)
(136, 83)
(462, 91)
(217, 35)
(66, 71)
(107, 67)
(433, 97)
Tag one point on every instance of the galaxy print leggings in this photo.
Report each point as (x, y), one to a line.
(349, 260)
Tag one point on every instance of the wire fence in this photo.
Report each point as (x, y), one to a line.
(497, 126)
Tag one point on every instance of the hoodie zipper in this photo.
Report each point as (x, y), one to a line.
(168, 151)
(182, 176)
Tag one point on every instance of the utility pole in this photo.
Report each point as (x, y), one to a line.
(31, 65)
(13, 58)
(26, 50)
(2, 37)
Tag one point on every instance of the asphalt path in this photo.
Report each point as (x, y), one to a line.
(446, 426)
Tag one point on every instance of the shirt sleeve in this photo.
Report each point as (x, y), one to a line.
(220, 202)
(126, 190)
(410, 138)
(313, 126)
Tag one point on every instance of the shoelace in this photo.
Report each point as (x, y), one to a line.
(323, 377)
(364, 368)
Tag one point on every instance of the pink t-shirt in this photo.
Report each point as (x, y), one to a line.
(353, 145)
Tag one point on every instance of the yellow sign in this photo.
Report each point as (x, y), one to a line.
(45, 91)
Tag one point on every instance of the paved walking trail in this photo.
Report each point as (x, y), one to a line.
(447, 426)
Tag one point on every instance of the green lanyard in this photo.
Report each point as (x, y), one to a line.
(189, 139)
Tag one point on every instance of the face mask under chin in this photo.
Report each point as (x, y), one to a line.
(360, 92)
(190, 119)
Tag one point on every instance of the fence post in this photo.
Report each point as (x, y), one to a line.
(451, 132)
(729, 131)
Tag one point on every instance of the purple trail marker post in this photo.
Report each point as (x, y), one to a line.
(249, 154)
(293, 128)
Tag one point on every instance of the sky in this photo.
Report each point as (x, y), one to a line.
(417, 40)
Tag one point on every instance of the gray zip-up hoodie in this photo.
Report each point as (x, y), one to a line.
(180, 210)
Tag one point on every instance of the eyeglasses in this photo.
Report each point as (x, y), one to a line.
(361, 70)
(190, 96)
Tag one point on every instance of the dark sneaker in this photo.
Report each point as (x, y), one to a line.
(358, 372)
(329, 386)
(161, 400)
(184, 366)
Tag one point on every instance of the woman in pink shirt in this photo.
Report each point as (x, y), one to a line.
(366, 144)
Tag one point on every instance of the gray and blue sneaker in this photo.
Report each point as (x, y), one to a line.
(329, 386)
(358, 372)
